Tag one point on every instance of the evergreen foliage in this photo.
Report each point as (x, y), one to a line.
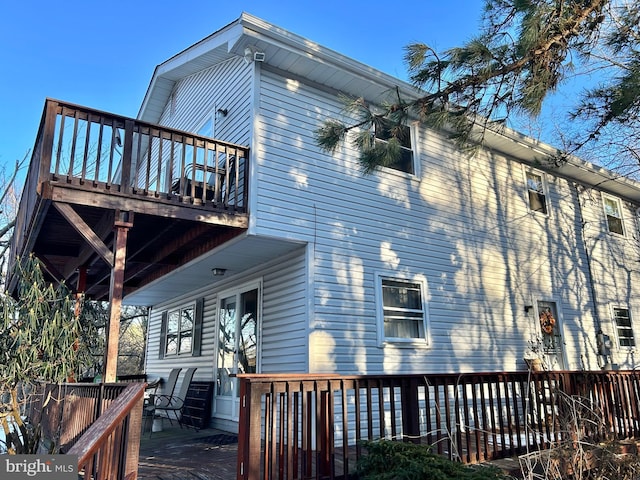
(392, 460)
(524, 52)
(42, 339)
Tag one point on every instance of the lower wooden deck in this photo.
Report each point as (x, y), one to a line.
(187, 454)
(210, 454)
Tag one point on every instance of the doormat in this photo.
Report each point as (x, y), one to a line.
(220, 439)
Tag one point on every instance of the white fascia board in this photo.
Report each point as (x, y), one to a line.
(532, 151)
(291, 42)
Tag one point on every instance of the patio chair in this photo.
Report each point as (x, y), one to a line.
(169, 387)
(170, 406)
(151, 398)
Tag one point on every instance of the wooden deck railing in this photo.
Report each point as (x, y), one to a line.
(100, 152)
(65, 411)
(109, 449)
(310, 426)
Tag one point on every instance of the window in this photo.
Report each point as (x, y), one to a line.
(403, 310)
(536, 191)
(385, 131)
(207, 128)
(623, 327)
(181, 330)
(613, 212)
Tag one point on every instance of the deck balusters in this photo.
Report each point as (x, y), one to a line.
(312, 426)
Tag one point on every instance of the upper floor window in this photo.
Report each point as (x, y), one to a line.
(403, 310)
(181, 330)
(386, 130)
(536, 189)
(624, 328)
(613, 212)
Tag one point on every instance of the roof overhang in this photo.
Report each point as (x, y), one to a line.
(241, 255)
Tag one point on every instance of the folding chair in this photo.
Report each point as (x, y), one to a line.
(167, 389)
(170, 406)
(170, 386)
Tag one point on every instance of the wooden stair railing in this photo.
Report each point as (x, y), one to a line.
(109, 449)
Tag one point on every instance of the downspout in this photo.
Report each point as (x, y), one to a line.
(596, 315)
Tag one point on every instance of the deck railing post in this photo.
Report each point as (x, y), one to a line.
(410, 410)
(48, 134)
(249, 440)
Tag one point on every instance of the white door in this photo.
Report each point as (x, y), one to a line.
(237, 349)
(553, 354)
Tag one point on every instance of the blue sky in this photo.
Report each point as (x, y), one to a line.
(102, 54)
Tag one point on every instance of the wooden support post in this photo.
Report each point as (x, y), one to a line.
(124, 221)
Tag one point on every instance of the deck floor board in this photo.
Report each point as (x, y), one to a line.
(187, 454)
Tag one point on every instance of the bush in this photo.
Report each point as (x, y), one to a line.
(393, 460)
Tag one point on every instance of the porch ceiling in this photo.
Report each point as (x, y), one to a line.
(155, 246)
(239, 255)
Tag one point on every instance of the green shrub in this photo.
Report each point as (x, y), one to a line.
(393, 460)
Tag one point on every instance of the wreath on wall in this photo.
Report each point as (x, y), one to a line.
(547, 322)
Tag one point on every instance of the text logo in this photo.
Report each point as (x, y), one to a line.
(39, 467)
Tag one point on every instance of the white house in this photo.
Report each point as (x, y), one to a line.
(449, 263)
(446, 266)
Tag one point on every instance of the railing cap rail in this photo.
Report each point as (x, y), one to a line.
(122, 118)
(293, 377)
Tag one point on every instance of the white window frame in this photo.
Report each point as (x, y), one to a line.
(419, 280)
(180, 333)
(545, 190)
(413, 150)
(619, 206)
(617, 328)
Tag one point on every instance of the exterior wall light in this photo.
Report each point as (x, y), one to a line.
(218, 272)
(253, 55)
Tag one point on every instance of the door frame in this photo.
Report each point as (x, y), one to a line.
(561, 355)
(233, 401)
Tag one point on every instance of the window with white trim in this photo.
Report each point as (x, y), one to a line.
(403, 312)
(536, 191)
(624, 329)
(385, 131)
(613, 213)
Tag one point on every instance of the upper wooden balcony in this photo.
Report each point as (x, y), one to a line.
(181, 193)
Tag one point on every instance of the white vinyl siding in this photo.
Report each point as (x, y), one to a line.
(284, 321)
(463, 224)
(285, 316)
(199, 96)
